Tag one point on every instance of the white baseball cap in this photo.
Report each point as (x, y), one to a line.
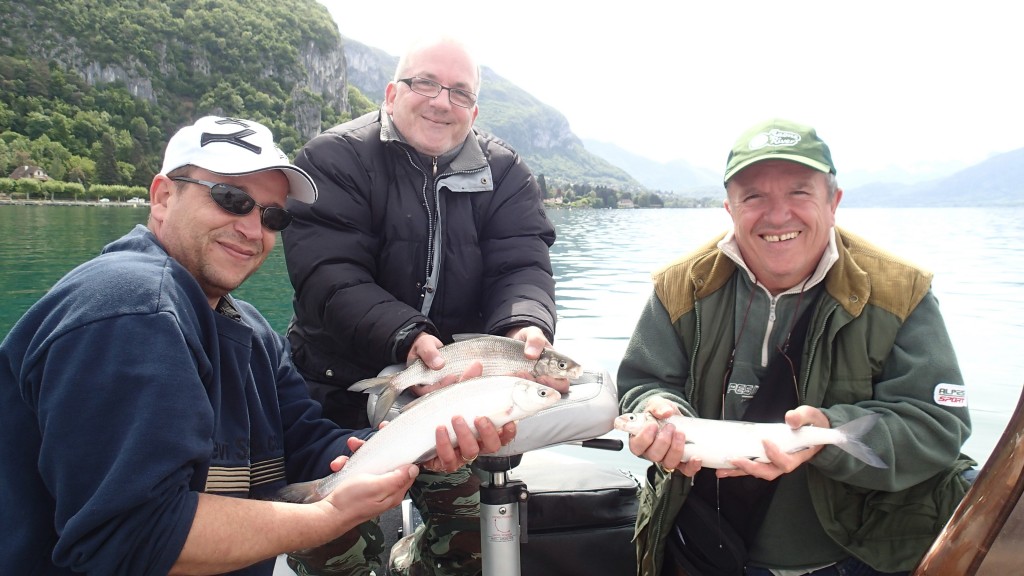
(234, 147)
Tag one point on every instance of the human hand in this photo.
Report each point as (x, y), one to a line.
(781, 462)
(534, 338)
(363, 497)
(426, 347)
(663, 444)
(353, 443)
(488, 439)
(536, 342)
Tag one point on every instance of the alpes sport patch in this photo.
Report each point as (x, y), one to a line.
(951, 395)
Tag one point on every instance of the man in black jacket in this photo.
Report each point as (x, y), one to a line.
(425, 228)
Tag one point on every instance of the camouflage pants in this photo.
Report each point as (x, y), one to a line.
(447, 544)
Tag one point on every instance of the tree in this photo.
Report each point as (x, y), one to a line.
(80, 170)
(543, 183)
(107, 169)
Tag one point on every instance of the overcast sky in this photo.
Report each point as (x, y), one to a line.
(894, 83)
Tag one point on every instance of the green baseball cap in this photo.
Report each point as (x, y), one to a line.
(779, 139)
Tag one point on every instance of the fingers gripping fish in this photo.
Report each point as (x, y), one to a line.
(410, 437)
(497, 354)
(716, 442)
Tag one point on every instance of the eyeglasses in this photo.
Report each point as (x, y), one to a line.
(430, 89)
(238, 202)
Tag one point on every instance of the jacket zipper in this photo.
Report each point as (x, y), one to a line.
(814, 346)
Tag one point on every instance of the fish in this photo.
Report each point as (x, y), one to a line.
(716, 442)
(497, 354)
(409, 438)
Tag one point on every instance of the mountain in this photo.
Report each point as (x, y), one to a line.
(91, 91)
(998, 181)
(537, 131)
(369, 69)
(676, 176)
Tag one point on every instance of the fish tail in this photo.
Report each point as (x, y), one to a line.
(371, 385)
(853, 431)
(300, 492)
(386, 399)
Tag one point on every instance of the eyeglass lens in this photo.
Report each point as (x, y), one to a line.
(236, 201)
(431, 89)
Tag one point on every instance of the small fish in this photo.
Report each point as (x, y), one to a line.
(716, 442)
(498, 355)
(409, 438)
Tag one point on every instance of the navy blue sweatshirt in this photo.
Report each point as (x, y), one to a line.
(123, 395)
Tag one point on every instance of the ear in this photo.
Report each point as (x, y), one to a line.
(160, 191)
(389, 96)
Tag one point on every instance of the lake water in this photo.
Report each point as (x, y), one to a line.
(602, 262)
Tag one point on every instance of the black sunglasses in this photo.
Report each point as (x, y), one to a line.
(238, 202)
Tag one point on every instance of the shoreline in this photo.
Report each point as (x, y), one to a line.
(9, 202)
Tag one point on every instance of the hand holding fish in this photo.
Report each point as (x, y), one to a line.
(498, 355)
(427, 349)
(449, 457)
(722, 444)
(488, 401)
(365, 496)
(663, 445)
(781, 462)
(536, 342)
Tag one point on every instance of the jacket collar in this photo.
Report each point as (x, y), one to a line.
(463, 158)
(731, 248)
(844, 279)
(468, 159)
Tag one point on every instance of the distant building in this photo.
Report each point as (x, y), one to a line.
(626, 203)
(29, 172)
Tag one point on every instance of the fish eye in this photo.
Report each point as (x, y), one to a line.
(562, 364)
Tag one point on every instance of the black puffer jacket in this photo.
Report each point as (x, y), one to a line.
(389, 251)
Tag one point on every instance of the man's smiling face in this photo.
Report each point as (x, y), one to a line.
(782, 216)
(434, 125)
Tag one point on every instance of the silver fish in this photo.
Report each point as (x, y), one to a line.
(716, 442)
(410, 437)
(498, 355)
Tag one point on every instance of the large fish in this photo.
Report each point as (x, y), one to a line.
(498, 355)
(409, 438)
(716, 442)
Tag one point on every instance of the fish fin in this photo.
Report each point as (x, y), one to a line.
(854, 430)
(300, 492)
(371, 385)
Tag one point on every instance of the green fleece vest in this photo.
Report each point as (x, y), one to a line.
(869, 293)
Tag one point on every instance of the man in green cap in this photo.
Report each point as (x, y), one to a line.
(789, 318)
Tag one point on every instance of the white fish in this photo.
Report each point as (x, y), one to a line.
(409, 439)
(498, 356)
(716, 442)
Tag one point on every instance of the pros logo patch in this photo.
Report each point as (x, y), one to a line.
(951, 395)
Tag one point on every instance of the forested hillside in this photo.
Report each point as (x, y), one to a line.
(90, 91)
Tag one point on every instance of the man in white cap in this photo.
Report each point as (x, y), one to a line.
(157, 416)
